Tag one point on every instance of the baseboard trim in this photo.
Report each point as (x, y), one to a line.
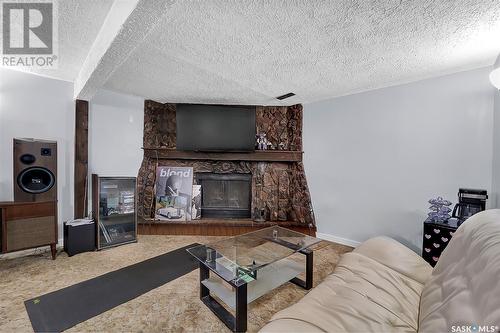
(336, 239)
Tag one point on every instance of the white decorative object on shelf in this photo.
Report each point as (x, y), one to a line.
(439, 211)
(261, 141)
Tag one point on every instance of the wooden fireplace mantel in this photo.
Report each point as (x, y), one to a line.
(255, 156)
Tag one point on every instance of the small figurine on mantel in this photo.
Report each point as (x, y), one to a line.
(260, 215)
(440, 212)
(262, 142)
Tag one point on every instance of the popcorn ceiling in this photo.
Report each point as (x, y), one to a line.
(249, 52)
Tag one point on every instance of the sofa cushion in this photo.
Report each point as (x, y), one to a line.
(286, 325)
(361, 295)
(395, 255)
(464, 288)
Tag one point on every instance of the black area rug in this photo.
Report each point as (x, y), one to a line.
(64, 308)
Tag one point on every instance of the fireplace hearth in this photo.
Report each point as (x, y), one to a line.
(225, 195)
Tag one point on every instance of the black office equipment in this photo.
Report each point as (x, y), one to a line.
(470, 202)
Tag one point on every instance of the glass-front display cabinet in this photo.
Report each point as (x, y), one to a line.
(114, 210)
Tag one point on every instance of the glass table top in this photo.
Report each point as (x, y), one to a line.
(237, 259)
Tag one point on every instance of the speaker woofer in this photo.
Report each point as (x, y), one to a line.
(36, 180)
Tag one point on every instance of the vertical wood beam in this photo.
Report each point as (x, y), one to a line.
(81, 157)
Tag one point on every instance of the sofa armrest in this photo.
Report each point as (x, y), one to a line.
(396, 256)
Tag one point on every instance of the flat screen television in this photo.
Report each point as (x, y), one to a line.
(202, 127)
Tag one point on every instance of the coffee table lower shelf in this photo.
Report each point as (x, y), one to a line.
(237, 298)
(269, 278)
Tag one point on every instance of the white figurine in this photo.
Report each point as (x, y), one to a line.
(262, 141)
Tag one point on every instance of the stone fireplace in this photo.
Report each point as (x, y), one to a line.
(234, 185)
(225, 195)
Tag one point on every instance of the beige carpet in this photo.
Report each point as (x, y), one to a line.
(174, 307)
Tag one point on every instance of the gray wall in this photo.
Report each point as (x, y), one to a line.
(116, 124)
(495, 190)
(374, 159)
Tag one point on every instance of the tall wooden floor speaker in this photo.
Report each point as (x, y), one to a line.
(35, 170)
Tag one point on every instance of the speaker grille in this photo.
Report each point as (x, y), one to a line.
(31, 232)
(36, 180)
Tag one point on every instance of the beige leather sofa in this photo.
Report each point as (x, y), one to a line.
(382, 286)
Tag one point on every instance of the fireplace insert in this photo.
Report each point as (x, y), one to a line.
(225, 195)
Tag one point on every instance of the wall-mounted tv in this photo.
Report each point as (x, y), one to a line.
(202, 127)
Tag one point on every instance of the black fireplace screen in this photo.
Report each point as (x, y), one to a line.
(225, 195)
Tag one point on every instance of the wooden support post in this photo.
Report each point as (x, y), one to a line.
(81, 157)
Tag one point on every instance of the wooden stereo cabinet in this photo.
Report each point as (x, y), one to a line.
(27, 225)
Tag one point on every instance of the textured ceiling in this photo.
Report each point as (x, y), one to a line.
(79, 22)
(248, 52)
(251, 51)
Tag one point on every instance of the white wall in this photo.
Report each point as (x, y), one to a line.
(42, 108)
(374, 159)
(116, 124)
(495, 190)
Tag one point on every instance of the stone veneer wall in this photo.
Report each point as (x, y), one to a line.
(278, 186)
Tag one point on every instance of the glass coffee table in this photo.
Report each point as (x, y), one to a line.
(249, 266)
